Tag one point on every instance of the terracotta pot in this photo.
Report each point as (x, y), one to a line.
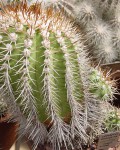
(7, 132)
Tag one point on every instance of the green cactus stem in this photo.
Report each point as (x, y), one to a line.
(46, 76)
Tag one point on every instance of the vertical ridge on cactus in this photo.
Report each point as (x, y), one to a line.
(46, 75)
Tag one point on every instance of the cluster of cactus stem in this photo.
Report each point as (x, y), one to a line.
(46, 78)
(100, 23)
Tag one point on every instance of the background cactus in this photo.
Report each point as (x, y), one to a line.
(100, 28)
(46, 78)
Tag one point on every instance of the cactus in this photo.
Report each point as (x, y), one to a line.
(46, 78)
(101, 34)
(100, 23)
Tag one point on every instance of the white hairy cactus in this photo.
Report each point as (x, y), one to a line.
(99, 33)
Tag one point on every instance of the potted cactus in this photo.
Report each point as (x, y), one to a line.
(46, 78)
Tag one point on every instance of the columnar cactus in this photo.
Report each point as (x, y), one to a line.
(102, 36)
(46, 77)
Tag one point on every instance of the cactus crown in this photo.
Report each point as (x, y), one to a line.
(46, 77)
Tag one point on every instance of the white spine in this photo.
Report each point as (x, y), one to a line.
(77, 128)
(59, 132)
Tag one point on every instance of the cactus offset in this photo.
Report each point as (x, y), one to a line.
(46, 76)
